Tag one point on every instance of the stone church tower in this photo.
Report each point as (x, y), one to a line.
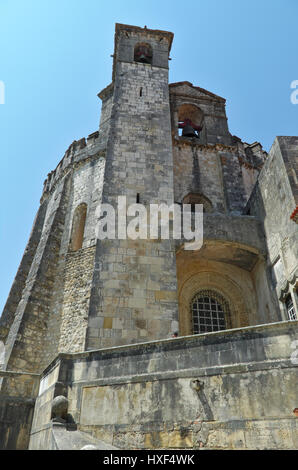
(92, 320)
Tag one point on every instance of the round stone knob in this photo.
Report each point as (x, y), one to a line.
(196, 385)
(59, 408)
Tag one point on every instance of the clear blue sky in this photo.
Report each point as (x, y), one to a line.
(55, 58)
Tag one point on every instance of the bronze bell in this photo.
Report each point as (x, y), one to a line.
(143, 54)
(188, 131)
(143, 58)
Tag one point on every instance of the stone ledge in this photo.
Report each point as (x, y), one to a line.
(177, 343)
(11, 373)
(24, 400)
(186, 373)
(256, 328)
(67, 439)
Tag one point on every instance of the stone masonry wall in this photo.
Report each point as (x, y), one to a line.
(37, 316)
(17, 400)
(48, 277)
(273, 202)
(233, 182)
(289, 147)
(78, 272)
(25, 343)
(87, 185)
(232, 389)
(197, 169)
(213, 171)
(106, 96)
(71, 293)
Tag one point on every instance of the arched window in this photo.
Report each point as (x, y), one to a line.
(210, 312)
(196, 198)
(143, 53)
(78, 226)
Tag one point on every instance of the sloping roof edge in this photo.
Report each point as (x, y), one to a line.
(213, 95)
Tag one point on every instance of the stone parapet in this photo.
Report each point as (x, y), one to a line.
(229, 389)
(78, 152)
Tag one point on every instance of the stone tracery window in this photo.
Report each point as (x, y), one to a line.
(210, 312)
(290, 308)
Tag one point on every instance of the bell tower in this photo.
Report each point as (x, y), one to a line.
(134, 296)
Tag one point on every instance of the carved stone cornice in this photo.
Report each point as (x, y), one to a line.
(191, 142)
(249, 165)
